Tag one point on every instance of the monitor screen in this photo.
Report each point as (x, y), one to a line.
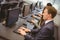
(12, 16)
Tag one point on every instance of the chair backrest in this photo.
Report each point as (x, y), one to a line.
(56, 32)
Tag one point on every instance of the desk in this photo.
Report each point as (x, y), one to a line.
(8, 32)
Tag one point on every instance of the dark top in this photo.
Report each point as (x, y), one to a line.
(46, 32)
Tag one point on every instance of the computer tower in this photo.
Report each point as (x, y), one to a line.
(12, 16)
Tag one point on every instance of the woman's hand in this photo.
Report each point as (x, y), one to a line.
(34, 16)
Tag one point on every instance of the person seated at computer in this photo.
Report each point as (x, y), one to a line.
(49, 4)
(46, 31)
(36, 24)
(39, 20)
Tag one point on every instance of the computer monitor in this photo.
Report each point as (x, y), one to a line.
(12, 16)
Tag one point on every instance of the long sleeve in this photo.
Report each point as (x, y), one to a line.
(35, 30)
(28, 37)
(44, 34)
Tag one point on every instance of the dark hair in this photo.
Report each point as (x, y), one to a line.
(49, 4)
(51, 10)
